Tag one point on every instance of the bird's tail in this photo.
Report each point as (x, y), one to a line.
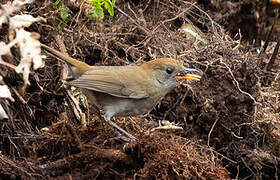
(80, 67)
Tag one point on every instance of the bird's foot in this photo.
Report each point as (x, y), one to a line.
(166, 125)
(129, 136)
(117, 138)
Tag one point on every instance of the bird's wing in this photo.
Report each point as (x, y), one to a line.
(117, 81)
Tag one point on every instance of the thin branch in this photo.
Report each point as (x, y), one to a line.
(13, 67)
(237, 83)
(73, 103)
(273, 57)
(210, 132)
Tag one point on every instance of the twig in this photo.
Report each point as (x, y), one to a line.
(267, 40)
(209, 134)
(273, 57)
(276, 167)
(19, 96)
(209, 18)
(14, 165)
(171, 19)
(15, 146)
(73, 103)
(139, 26)
(13, 67)
(210, 149)
(75, 136)
(3, 114)
(277, 76)
(248, 168)
(237, 83)
(92, 154)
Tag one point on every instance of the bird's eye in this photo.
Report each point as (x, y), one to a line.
(169, 70)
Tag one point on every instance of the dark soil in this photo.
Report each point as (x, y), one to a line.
(230, 118)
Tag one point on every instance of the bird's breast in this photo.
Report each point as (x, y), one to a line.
(118, 106)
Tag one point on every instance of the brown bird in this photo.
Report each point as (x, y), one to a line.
(126, 90)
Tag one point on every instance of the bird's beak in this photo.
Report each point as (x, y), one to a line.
(187, 74)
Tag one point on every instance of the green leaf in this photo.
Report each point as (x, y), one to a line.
(96, 3)
(57, 4)
(93, 14)
(109, 6)
(96, 13)
(64, 14)
(99, 12)
(61, 26)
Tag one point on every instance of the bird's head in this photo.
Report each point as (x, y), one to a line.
(167, 71)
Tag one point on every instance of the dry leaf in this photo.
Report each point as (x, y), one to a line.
(19, 21)
(30, 49)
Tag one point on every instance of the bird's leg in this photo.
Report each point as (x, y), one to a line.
(108, 119)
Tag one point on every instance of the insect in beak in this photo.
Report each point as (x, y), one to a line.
(187, 74)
